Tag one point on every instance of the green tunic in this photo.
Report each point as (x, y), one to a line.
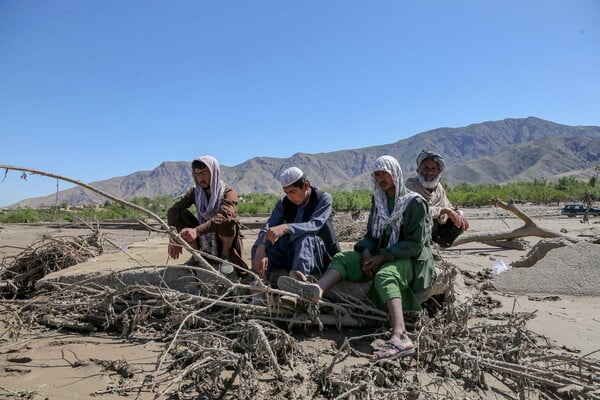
(410, 268)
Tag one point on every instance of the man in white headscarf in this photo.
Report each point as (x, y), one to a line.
(448, 222)
(394, 254)
(217, 229)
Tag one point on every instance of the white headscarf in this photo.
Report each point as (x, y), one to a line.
(381, 216)
(207, 208)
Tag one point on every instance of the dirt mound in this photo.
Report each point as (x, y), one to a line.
(571, 270)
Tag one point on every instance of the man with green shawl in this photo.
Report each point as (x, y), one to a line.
(394, 254)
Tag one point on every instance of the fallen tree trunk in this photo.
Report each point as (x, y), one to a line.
(529, 229)
(539, 251)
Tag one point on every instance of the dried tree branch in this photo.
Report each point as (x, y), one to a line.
(530, 228)
(171, 230)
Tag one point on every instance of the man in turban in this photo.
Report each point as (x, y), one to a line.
(448, 222)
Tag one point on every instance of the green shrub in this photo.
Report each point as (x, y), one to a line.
(347, 201)
(257, 203)
(567, 189)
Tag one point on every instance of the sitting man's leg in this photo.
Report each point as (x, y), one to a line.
(343, 266)
(309, 257)
(181, 220)
(392, 286)
(279, 255)
(226, 246)
(445, 234)
(231, 249)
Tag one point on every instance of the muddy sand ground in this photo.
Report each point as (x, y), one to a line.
(563, 289)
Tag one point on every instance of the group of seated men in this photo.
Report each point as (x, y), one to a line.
(299, 237)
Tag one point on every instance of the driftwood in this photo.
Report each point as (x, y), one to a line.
(198, 255)
(231, 329)
(530, 228)
(539, 251)
(516, 244)
(19, 274)
(551, 239)
(229, 340)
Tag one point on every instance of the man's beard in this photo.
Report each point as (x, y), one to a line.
(429, 184)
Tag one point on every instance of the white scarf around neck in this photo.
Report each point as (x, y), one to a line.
(208, 207)
(381, 216)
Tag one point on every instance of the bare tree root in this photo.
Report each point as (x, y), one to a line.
(539, 251)
(231, 340)
(20, 273)
(551, 239)
(529, 228)
(516, 244)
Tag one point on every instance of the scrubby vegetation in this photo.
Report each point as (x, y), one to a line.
(567, 189)
(540, 191)
(96, 212)
(257, 203)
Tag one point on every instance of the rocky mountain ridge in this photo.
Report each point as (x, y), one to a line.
(493, 152)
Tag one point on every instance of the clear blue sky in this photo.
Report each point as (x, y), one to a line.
(98, 89)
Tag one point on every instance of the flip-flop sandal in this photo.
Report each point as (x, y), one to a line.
(308, 291)
(392, 345)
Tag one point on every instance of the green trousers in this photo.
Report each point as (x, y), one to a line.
(390, 282)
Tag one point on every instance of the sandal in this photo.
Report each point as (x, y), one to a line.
(392, 349)
(308, 291)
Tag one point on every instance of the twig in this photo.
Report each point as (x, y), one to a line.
(172, 232)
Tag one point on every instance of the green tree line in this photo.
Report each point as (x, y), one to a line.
(567, 189)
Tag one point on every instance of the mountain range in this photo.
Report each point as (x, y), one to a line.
(508, 150)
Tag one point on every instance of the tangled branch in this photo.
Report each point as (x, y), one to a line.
(231, 338)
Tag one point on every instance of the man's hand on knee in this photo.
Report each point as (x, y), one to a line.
(174, 250)
(260, 261)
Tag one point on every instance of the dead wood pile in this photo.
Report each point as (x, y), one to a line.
(234, 340)
(350, 227)
(509, 238)
(18, 274)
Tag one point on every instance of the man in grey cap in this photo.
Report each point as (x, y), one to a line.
(299, 235)
(430, 166)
